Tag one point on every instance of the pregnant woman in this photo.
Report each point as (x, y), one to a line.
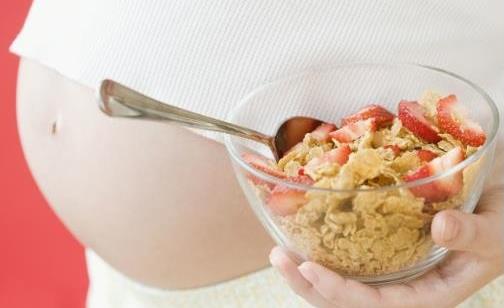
(163, 219)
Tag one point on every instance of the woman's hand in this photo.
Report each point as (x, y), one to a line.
(478, 242)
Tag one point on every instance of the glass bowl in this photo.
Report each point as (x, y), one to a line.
(376, 235)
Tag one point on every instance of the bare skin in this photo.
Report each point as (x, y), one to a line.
(137, 193)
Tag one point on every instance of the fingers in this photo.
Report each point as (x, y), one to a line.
(324, 288)
(468, 232)
(338, 290)
(280, 259)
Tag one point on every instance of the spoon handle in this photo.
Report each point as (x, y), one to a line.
(120, 101)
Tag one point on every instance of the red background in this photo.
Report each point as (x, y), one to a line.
(41, 264)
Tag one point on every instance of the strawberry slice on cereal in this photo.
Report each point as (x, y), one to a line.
(382, 116)
(452, 118)
(440, 189)
(339, 156)
(354, 131)
(284, 201)
(394, 148)
(412, 117)
(426, 155)
(263, 164)
(321, 133)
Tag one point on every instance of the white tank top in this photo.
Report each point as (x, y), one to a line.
(205, 55)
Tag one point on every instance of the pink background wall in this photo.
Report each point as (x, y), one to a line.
(41, 264)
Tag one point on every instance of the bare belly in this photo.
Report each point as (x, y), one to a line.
(157, 202)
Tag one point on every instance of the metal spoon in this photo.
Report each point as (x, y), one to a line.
(120, 101)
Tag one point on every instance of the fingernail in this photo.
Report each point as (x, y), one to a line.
(450, 228)
(308, 273)
(275, 257)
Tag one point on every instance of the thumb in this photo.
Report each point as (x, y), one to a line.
(466, 232)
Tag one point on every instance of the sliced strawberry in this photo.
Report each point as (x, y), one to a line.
(261, 163)
(452, 119)
(441, 189)
(339, 155)
(285, 201)
(412, 117)
(321, 133)
(383, 116)
(353, 131)
(429, 191)
(426, 155)
(453, 183)
(395, 148)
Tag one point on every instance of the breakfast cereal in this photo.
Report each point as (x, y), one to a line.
(363, 221)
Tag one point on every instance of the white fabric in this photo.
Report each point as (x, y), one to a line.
(110, 289)
(206, 55)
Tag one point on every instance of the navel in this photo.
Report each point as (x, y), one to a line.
(55, 125)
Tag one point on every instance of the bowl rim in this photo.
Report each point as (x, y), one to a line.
(233, 151)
